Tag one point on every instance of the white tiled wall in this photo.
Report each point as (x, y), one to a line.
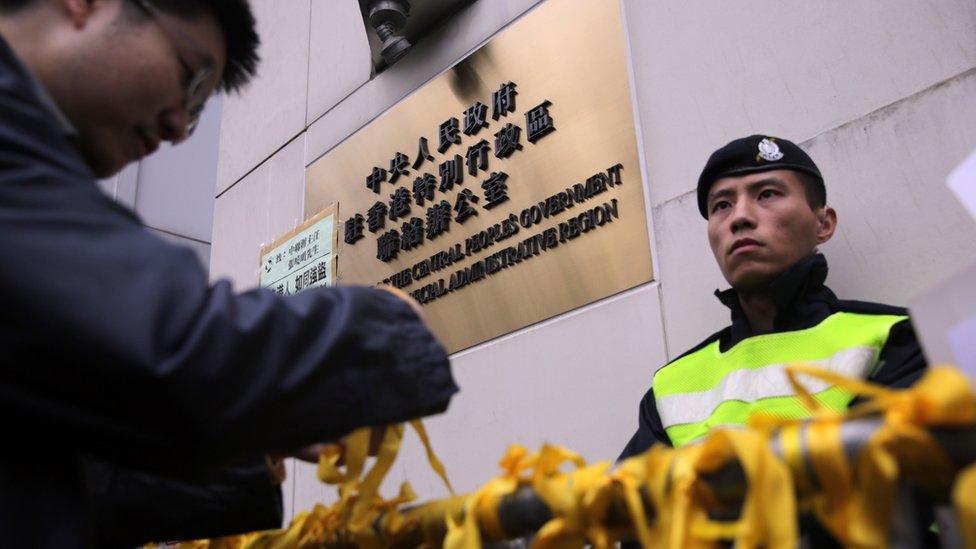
(172, 190)
(708, 72)
(176, 185)
(200, 249)
(339, 59)
(271, 110)
(122, 186)
(900, 227)
(261, 207)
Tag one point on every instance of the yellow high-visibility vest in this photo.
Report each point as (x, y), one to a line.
(709, 388)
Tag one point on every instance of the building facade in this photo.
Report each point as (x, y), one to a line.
(880, 93)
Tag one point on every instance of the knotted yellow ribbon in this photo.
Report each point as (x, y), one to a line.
(578, 500)
(652, 470)
(481, 507)
(674, 479)
(351, 519)
(851, 497)
(555, 488)
(767, 516)
(856, 501)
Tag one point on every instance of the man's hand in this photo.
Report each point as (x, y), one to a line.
(312, 452)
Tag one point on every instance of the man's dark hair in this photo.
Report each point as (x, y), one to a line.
(234, 17)
(237, 22)
(814, 189)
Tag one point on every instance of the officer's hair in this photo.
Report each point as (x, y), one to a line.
(234, 17)
(814, 189)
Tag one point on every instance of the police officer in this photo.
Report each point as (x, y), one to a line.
(114, 344)
(765, 203)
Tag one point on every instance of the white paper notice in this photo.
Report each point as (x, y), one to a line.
(962, 182)
(303, 261)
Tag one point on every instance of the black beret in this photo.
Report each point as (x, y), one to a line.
(756, 153)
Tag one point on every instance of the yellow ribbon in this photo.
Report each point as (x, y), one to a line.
(657, 464)
(351, 519)
(578, 500)
(792, 442)
(856, 503)
(556, 490)
(435, 463)
(768, 513)
(483, 504)
(853, 499)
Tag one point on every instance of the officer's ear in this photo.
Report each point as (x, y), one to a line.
(826, 223)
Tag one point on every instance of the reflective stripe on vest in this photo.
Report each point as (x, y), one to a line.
(709, 388)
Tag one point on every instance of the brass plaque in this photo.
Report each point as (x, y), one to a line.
(508, 188)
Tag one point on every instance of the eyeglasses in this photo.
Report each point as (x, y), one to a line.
(195, 91)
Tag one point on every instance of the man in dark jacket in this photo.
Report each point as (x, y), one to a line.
(115, 344)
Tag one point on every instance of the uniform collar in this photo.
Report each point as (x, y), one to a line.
(799, 294)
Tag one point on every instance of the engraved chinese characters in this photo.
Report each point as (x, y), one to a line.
(432, 191)
(518, 191)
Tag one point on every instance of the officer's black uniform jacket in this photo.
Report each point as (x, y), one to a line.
(113, 344)
(802, 301)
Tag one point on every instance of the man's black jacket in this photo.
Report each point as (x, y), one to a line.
(115, 345)
(802, 301)
(130, 507)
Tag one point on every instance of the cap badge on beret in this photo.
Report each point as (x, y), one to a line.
(769, 150)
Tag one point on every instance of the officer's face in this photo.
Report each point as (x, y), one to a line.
(761, 224)
(123, 76)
